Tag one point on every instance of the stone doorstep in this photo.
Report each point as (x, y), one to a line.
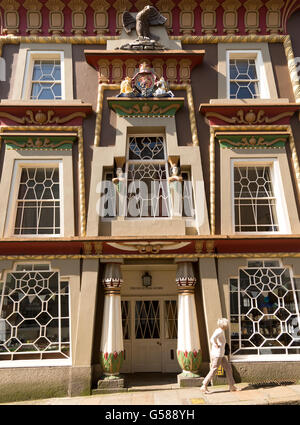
(109, 391)
(189, 381)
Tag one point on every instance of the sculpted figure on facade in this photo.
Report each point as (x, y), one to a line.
(149, 15)
(126, 88)
(162, 89)
(144, 83)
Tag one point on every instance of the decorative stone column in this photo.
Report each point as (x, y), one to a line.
(111, 347)
(188, 346)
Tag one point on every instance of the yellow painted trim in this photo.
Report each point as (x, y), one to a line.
(152, 256)
(190, 101)
(215, 129)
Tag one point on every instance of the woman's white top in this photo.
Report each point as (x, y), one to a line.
(218, 337)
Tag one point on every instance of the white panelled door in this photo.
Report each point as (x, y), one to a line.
(150, 335)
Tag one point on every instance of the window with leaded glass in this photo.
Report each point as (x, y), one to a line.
(264, 310)
(147, 177)
(147, 319)
(254, 199)
(170, 317)
(246, 75)
(34, 314)
(38, 206)
(244, 83)
(46, 80)
(125, 308)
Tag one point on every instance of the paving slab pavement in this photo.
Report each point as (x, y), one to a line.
(218, 395)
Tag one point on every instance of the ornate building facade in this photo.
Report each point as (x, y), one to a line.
(149, 186)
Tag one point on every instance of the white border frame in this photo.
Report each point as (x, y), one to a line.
(249, 48)
(15, 182)
(46, 362)
(281, 207)
(263, 85)
(31, 57)
(260, 358)
(19, 89)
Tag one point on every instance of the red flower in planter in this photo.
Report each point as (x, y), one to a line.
(106, 356)
(185, 353)
(115, 354)
(195, 353)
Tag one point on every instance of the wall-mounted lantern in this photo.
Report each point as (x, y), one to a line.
(147, 279)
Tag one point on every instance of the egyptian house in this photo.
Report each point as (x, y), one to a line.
(150, 185)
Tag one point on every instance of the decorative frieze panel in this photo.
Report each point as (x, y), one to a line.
(252, 16)
(230, 16)
(185, 70)
(100, 8)
(34, 16)
(11, 16)
(103, 69)
(146, 108)
(174, 66)
(39, 142)
(78, 16)
(253, 141)
(121, 6)
(273, 17)
(46, 17)
(56, 16)
(43, 115)
(219, 114)
(165, 7)
(186, 16)
(208, 16)
(117, 71)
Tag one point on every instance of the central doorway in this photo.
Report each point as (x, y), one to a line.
(150, 334)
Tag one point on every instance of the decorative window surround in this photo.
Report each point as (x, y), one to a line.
(257, 51)
(264, 309)
(280, 204)
(35, 314)
(15, 159)
(15, 203)
(245, 83)
(33, 58)
(68, 271)
(260, 195)
(28, 53)
(288, 217)
(104, 158)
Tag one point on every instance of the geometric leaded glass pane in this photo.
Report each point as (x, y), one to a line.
(125, 307)
(170, 319)
(147, 320)
(254, 200)
(264, 309)
(147, 178)
(34, 315)
(38, 203)
(46, 80)
(243, 79)
(146, 148)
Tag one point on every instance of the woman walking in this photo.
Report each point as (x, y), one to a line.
(218, 357)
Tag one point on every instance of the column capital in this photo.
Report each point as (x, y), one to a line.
(112, 278)
(185, 277)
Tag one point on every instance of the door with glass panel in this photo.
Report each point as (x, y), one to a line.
(150, 335)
